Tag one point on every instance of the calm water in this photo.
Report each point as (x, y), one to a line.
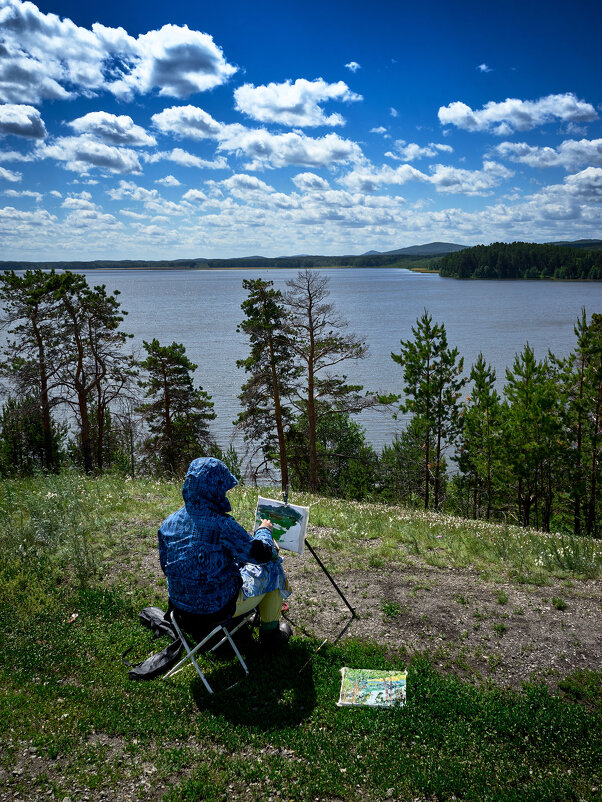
(201, 309)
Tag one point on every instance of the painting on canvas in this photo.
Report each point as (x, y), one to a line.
(289, 521)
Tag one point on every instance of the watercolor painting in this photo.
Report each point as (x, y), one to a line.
(289, 521)
(371, 688)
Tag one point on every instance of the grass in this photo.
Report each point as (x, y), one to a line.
(73, 724)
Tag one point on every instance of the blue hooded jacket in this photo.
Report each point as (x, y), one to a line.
(202, 549)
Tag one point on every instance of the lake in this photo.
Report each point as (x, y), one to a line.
(201, 309)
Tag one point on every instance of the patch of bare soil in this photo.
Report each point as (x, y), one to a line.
(483, 630)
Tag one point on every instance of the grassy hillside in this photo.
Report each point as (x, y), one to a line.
(80, 562)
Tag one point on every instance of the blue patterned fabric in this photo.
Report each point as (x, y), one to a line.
(204, 553)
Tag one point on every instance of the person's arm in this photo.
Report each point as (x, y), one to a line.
(247, 548)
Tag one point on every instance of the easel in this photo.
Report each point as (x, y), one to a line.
(332, 582)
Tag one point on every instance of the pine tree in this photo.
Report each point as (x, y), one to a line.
(177, 414)
(31, 358)
(320, 342)
(480, 443)
(94, 368)
(266, 413)
(432, 384)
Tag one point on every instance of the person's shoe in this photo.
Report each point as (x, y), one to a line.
(274, 639)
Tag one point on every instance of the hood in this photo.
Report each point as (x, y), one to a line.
(206, 484)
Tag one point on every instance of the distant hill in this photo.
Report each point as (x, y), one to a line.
(587, 244)
(430, 249)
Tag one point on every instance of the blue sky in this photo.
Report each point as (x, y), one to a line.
(170, 130)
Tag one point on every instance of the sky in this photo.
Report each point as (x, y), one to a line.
(167, 130)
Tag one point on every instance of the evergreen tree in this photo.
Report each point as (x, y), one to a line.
(31, 358)
(479, 456)
(582, 374)
(320, 342)
(23, 439)
(94, 368)
(346, 461)
(400, 470)
(177, 414)
(432, 384)
(533, 436)
(266, 414)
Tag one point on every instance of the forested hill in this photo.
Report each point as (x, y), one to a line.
(523, 260)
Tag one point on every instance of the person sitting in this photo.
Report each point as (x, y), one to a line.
(215, 569)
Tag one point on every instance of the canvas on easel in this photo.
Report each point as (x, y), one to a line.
(289, 522)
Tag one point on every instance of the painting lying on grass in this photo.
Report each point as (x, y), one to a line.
(370, 688)
(289, 521)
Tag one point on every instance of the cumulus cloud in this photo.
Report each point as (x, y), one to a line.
(469, 182)
(187, 121)
(81, 154)
(370, 178)
(310, 182)
(408, 151)
(517, 115)
(169, 181)
(113, 129)
(21, 120)
(295, 148)
(16, 156)
(570, 154)
(24, 193)
(393, 112)
(185, 159)
(380, 130)
(10, 175)
(295, 104)
(46, 57)
(484, 68)
(353, 66)
(195, 196)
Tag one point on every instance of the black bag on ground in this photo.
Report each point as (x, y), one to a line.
(154, 619)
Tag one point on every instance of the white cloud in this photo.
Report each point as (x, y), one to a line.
(469, 182)
(295, 148)
(517, 115)
(177, 61)
(570, 154)
(187, 121)
(112, 129)
(81, 154)
(370, 178)
(353, 66)
(484, 68)
(294, 104)
(46, 57)
(195, 196)
(10, 175)
(25, 193)
(185, 159)
(21, 120)
(380, 130)
(310, 182)
(393, 112)
(169, 181)
(407, 152)
(15, 156)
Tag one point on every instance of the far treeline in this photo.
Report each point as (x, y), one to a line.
(80, 398)
(525, 260)
(299, 262)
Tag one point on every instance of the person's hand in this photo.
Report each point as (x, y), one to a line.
(266, 524)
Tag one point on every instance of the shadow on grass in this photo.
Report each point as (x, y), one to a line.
(279, 691)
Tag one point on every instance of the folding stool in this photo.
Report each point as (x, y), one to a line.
(227, 636)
